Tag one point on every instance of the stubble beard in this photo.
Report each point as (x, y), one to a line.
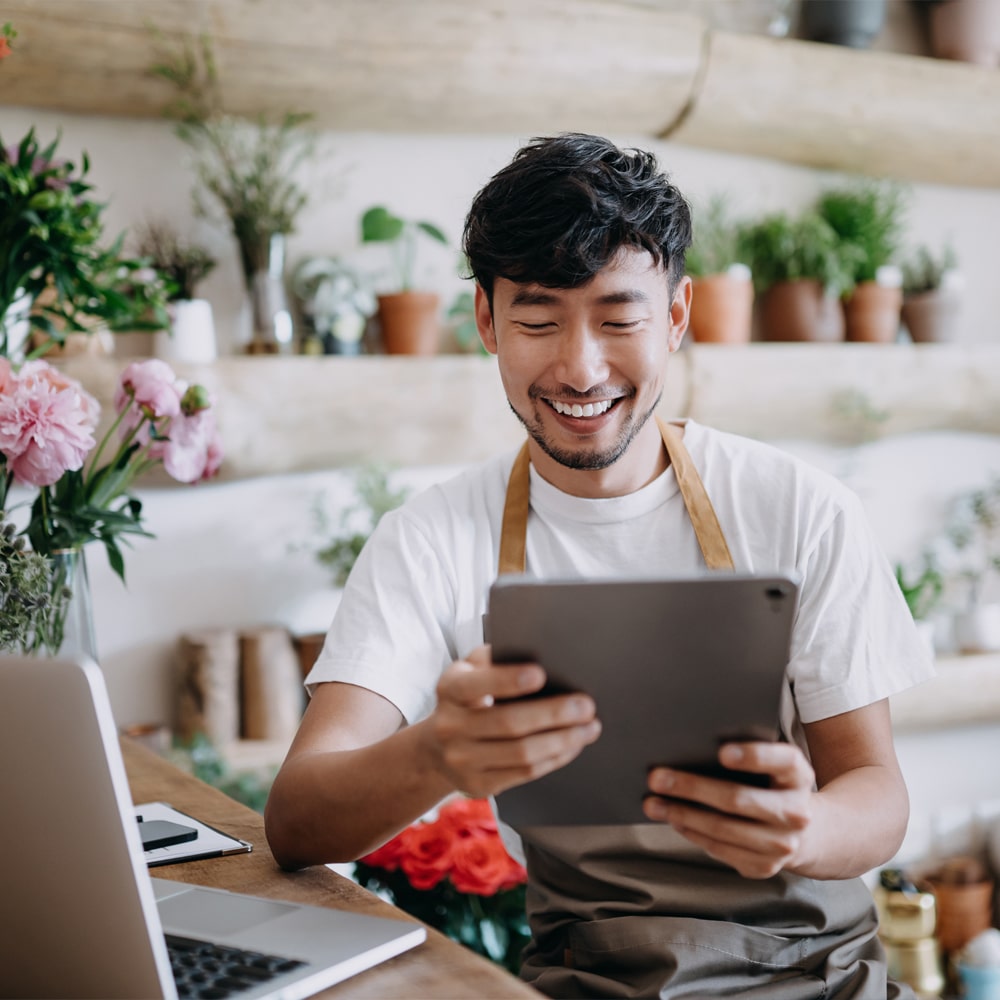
(583, 459)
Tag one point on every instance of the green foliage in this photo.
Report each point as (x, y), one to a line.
(184, 264)
(867, 216)
(51, 233)
(973, 530)
(923, 593)
(462, 315)
(246, 168)
(785, 248)
(31, 608)
(342, 546)
(493, 926)
(924, 270)
(719, 241)
(200, 756)
(379, 225)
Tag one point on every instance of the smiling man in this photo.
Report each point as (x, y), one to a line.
(577, 248)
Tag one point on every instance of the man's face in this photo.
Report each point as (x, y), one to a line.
(583, 368)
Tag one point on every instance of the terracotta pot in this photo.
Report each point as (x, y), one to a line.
(800, 311)
(410, 322)
(963, 911)
(931, 317)
(966, 30)
(871, 314)
(721, 309)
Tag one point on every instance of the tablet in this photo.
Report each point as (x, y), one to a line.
(676, 666)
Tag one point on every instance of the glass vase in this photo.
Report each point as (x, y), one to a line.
(263, 258)
(72, 626)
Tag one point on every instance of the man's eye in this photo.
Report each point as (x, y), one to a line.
(627, 324)
(535, 326)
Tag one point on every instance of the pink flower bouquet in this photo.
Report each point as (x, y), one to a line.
(47, 441)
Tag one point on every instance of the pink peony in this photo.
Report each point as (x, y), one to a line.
(152, 386)
(46, 424)
(192, 450)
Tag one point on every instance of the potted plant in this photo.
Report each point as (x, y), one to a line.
(799, 272)
(922, 594)
(409, 318)
(248, 169)
(191, 335)
(868, 217)
(931, 295)
(335, 302)
(974, 534)
(722, 300)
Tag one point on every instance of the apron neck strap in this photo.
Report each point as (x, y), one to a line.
(711, 541)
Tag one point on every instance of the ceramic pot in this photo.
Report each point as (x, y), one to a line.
(855, 23)
(978, 630)
(191, 338)
(963, 911)
(800, 311)
(721, 309)
(966, 30)
(931, 317)
(410, 323)
(871, 313)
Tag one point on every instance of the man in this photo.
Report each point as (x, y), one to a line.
(577, 249)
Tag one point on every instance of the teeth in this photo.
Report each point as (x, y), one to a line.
(576, 410)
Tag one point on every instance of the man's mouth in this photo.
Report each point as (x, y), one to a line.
(581, 409)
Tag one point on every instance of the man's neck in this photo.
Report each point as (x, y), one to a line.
(644, 460)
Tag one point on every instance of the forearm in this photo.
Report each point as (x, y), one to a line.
(858, 823)
(335, 806)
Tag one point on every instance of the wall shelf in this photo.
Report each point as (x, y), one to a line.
(526, 67)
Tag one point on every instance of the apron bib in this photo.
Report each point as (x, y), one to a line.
(621, 911)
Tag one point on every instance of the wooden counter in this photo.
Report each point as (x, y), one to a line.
(439, 968)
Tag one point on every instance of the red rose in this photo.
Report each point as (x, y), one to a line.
(480, 865)
(468, 817)
(4, 47)
(426, 855)
(387, 856)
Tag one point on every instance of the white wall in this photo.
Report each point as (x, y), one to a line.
(143, 172)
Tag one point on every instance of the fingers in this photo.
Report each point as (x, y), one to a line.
(487, 736)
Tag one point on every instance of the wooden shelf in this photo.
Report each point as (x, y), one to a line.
(965, 691)
(526, 67)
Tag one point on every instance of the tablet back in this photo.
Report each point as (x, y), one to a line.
(676, 667)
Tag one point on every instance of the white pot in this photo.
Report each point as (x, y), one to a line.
(191, 338)
(978, 630)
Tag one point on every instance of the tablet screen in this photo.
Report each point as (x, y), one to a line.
(676, 666)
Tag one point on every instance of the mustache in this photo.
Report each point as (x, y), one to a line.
(537, 392)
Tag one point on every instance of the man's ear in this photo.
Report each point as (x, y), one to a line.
(484, 321)
(680, 313)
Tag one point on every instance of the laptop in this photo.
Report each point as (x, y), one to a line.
(80, 915)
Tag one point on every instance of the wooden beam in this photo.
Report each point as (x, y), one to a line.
(876, 113)
(525, 67)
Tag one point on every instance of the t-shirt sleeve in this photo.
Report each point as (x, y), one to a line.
(388, 633)
(854, 640)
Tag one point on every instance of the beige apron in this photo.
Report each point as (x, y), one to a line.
(616, 912)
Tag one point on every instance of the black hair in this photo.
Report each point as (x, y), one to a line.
(562, 209)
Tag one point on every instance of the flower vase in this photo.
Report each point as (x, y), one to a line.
(72, 631)
(264, 269)
(191, 337)
(15, 327)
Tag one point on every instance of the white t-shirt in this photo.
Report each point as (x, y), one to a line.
(416, 597)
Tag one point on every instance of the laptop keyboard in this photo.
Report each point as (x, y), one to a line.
(213, 972)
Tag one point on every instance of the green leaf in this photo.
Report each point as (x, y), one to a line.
(431, 230)
(378, 225)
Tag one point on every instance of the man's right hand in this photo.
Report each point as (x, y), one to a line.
(485, 736)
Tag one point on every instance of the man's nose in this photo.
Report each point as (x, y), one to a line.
(582, 361)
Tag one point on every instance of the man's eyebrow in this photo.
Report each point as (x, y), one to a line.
(533, 297)
(542, 297)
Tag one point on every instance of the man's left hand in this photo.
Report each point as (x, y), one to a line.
(758, 831)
